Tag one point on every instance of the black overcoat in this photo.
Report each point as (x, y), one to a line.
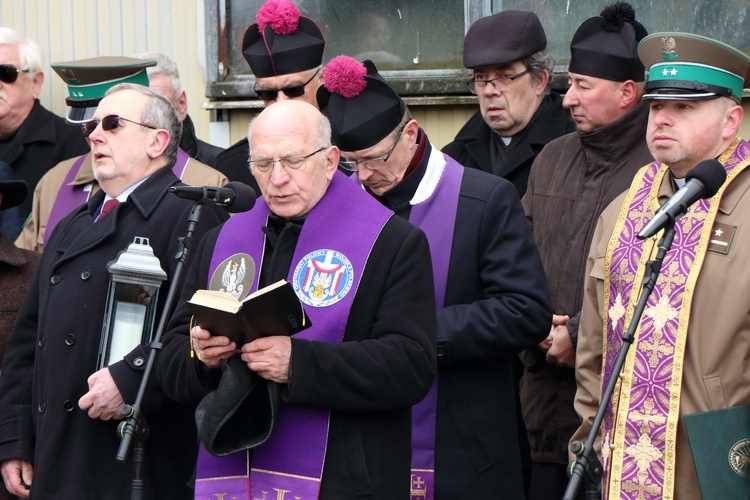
(496, 304)
(53, 350)
(385, 364)
(471, 147)
(41, 142)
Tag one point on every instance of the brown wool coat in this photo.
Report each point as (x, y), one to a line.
(16, 269)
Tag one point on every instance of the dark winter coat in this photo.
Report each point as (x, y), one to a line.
(496, 304)
(53, 350)
(471, 147)
(384, 364)
(43, 140)
(572, 181)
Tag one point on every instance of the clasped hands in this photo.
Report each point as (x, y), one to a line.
(558, 346)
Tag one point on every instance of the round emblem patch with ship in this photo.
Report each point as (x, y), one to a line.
(739, 457)
(323, 277)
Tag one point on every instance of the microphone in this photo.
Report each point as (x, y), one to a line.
(703, 181)
(235, 196)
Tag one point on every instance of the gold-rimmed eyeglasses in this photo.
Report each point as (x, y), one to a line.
(288, 163)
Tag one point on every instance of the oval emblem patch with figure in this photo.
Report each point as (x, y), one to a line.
(739, 457)
(323, 277)
(235, 276)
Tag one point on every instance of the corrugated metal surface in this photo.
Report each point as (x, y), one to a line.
(77, 29)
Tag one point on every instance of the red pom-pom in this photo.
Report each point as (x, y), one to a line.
(281, 15)
(345, 76)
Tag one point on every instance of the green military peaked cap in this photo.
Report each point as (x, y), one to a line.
(683, 66)
(89, 79)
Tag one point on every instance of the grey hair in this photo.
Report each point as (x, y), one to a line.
(28, 51)
(157, 112)
(164, 66)
(537, 63)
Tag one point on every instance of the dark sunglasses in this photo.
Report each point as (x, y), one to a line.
(292, 91)
(9, 73)
(109, 122)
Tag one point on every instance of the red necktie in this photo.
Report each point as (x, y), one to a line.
(109, 205)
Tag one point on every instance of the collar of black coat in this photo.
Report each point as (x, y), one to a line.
(146, 197)
(39, 126)
(398, 197)
(554, 118)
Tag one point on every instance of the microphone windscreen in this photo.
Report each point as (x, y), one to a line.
(244, 197)
(711, 173)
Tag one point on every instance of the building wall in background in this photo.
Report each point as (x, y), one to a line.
(78, 29)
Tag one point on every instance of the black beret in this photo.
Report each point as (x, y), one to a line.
(607, 46)
(362, 117)
(503, 38)
(280, 49)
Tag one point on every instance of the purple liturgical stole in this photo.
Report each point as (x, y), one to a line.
(329, 259)
(70, 196)
(434, 211)
(640, 425)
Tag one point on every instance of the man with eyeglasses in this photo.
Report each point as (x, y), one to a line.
(572, 181)
(285, 52)
(72, 182)
(32, 139)
(518, 113)
(56, 436)
(491, 293)
(345, 385)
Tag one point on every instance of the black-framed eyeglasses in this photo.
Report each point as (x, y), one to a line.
(291, 91)
(109, 122)
(9, 73)
(477, 86)
(374, 163)
(288, 163)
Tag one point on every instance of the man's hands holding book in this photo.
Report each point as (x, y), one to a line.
(211, 349)
(269, 357)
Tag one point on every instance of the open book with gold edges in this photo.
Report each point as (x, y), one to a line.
(272, 310)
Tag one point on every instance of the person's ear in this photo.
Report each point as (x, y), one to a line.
(158, 144)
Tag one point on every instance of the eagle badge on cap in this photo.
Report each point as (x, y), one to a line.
(667, 45)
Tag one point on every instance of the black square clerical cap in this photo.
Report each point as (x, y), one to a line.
(502, 38)
(282, 41)
(606, 46)
(89, 79)
(362, 108)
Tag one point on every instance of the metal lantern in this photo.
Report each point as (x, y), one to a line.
(135, 278)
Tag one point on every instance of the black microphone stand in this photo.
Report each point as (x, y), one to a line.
(587, 466)
(135, 425)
